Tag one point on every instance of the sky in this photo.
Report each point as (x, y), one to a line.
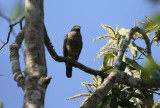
(60, 17)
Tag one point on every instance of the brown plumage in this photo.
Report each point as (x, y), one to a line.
(72, 46)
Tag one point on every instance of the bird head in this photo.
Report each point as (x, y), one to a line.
(76, 28)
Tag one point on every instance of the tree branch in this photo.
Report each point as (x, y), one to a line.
(152, 91)
(146, 39)
(11, 28)
(7, 37)
(139, 83)
(20, 21)
(148, 44)
(74, 63)
(113, 77)
(14, 58)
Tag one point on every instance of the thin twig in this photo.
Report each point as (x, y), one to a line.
(142, 53)
(7, 38)
(20, 21)
(152, 91)
(11, 28)
(2, 41)
(146, 48)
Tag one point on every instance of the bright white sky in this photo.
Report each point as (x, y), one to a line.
(60, 16)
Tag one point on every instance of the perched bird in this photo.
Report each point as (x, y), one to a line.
(72, 46)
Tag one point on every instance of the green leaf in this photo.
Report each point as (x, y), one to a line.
(157, 37)
(147, 23)
(151, 28)
(134, 64)
(136, 74)
(106, 58)
(134, 67)
(133, 47)
(108, 68)
(123, 31)
(149, 20)
(137, 97)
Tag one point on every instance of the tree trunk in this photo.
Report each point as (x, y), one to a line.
(36, 82)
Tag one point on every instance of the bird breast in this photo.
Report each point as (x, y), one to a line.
(74, 43)
(74, 36)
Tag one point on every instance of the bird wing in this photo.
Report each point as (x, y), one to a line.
(79, 52)
(64, 46)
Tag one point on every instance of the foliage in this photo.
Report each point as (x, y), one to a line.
(120, 95)
(113, 44)
(1, 105)
(157, 104)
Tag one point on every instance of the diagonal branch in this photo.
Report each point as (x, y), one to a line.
(122, 77)
(74, 63)
(113, 77)
(9, 33)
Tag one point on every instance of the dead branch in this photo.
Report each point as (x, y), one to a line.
(11, 28)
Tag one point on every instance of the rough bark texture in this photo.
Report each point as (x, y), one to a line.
(14, 58)
(35, 69)
(35, 81)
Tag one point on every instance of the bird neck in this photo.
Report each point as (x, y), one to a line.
(77, 30)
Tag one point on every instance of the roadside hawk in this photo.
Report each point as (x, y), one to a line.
(72, 46)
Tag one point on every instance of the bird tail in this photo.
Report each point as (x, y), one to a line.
(68, 70)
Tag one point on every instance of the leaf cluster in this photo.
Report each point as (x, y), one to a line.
(122, 96)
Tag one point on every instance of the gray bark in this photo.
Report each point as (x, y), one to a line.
(35, 80)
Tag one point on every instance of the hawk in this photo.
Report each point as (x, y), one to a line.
(72, 46)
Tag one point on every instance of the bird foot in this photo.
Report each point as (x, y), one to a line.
(72, 58)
